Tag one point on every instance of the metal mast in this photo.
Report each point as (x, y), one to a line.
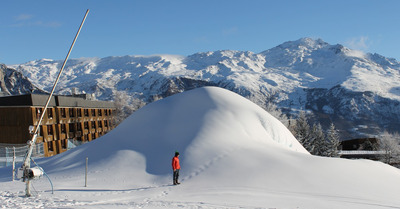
(31, 143)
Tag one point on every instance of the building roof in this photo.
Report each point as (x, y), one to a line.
(61, 101)
(357, 144)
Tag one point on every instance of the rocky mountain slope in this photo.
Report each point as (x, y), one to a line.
(13, 82)
(358, 92)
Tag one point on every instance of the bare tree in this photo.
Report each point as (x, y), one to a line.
(389, 144)
(125, 106)
(273, 109)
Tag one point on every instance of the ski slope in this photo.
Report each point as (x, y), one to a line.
(233, 155)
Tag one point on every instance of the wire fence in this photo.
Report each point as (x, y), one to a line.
(361, 152)
(9, 151)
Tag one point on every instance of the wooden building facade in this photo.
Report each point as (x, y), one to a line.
(66, 118)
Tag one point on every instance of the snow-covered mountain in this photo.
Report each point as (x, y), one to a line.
(358, 92)
(13, 82)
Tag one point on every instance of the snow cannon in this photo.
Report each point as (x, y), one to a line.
(32, 173)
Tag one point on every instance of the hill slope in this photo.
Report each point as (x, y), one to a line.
(233, 155)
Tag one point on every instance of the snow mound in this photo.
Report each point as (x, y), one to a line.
(200, 124)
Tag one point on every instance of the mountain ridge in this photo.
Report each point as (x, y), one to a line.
(305, 74)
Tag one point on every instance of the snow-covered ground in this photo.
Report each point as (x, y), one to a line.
(233, 155)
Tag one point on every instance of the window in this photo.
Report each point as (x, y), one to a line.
(71, 127)
(79, 126)
(50, 113)
(86, 124)
(86, 112)
(38, 112)
(79, 112)
(106, 112)
(93, 112)
(63, 115)
(63, 129)
(105, 123)
(100, 124)
(93, 125)
(49, 130)
(93, 136)
(50, 146)
(71, 113)
(64, 143)
(100, 112)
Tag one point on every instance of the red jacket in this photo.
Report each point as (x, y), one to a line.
(175, 163)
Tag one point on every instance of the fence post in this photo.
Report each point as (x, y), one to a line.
(86, 171)
(6, 158)
(13, 165)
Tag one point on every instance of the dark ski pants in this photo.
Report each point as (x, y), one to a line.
(176, 176)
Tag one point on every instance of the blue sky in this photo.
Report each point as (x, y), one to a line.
(39, 29)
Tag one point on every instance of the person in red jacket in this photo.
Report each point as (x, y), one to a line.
(176, 167)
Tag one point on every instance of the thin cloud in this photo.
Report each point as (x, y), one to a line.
(27, 20)
(201, 39)
(230, 31)
(47, 24)
(360, 43)
(23, 17)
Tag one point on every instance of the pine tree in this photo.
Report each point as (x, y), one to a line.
(302, 130)
(333, 140)
(317, 143)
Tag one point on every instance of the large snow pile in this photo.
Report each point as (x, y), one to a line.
(233, 155)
